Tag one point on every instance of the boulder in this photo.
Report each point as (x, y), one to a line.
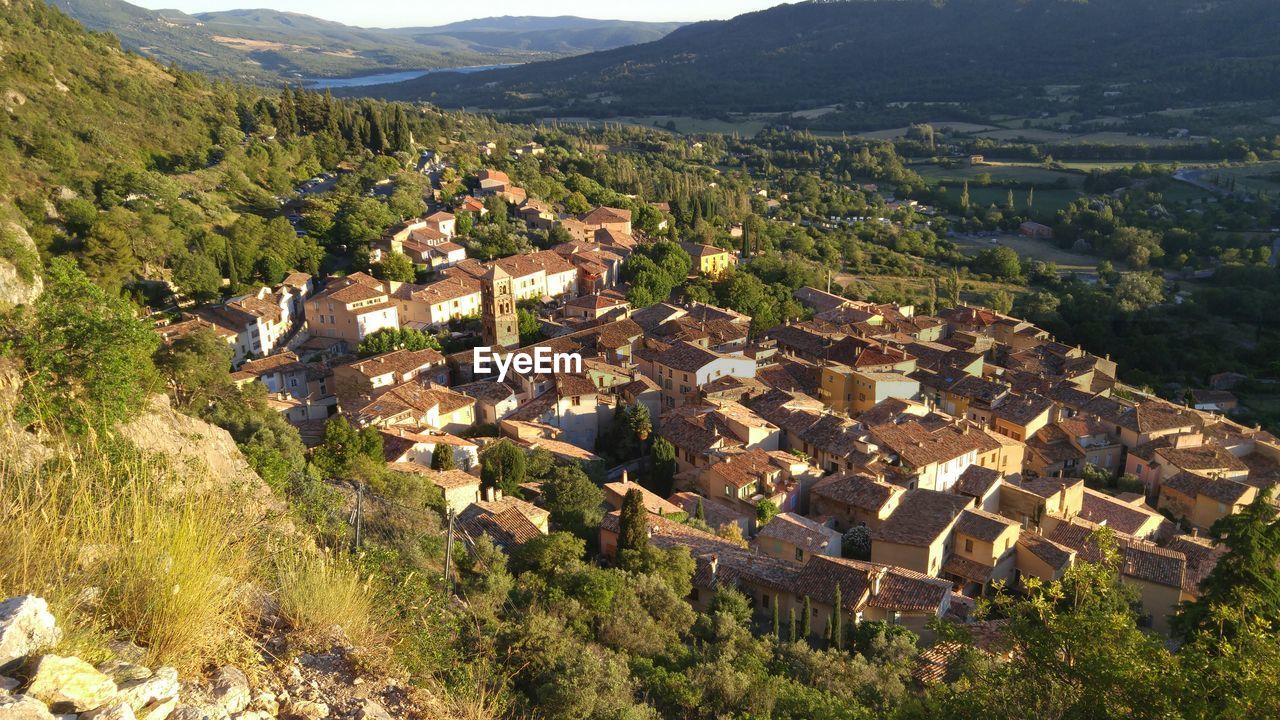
(306, 710)
(158, 710)
(267, 702)
(229, 688)
(114, 711)
(68, 684)
(8, 685)
(26, 627)
(23, 707)
(123, 672)
(149, 692)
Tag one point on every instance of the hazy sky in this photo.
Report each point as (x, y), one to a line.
(398, 13)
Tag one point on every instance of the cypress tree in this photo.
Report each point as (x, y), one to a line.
(777, 634)
(699, 513)
(633, 531)
(791, 626)
(837, 622)
(442, 457)
(806, 624)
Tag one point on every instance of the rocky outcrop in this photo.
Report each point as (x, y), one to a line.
(20, 281)
(207, 451)
(315, 686)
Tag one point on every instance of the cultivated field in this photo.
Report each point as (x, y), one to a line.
(1029, 249)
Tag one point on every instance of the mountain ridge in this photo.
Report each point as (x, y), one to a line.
(870, 52)
(271, 46)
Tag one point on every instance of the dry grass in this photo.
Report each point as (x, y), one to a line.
(323, 596)
(111, 540)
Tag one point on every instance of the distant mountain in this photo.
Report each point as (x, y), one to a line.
(271, 46)
(868, 55)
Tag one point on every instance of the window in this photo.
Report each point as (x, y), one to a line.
(727, 491)
(968, 545)
(799, 555)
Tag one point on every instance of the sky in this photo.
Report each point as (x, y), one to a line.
(402, 13)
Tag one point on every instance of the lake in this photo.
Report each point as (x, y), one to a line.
(393, 77)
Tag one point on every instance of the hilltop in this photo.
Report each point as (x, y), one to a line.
(269, 46)
(866, 56)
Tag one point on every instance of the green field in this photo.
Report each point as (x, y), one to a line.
(1032, 174)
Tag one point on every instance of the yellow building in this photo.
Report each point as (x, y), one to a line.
(709, 260)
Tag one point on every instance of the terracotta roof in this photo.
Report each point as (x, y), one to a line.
(507, 528)
(602, 215)
(1223, 490)
(752, 467)
(1023, 409)
(1056, 556)
(1116, 514)
(919, 447)
(921, 517)
(1153, 563)
(653, 503)
(856, 490)
(486, 390)
(968, 569)
(983, 525)
(1202, 555)
(397, 361)
(574, 385)
(687, 357)
(716, 513)
(976, 481)
(800, 531)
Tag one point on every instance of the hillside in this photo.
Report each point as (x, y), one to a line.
(270, 46)
(994, 54)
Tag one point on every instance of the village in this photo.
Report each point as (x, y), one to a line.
(870, 461)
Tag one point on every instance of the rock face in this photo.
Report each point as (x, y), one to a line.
(18, 285)
(68, 684)
(208, 450)
(26, 626)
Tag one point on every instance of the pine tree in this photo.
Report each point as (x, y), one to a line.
(442, 457)
(806, 625)
(837, 622)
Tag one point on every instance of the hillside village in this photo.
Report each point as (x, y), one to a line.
(896, 464)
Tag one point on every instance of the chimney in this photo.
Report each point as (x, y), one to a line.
(875, 583)
(488, 494)
(497, 494)
(715, 566)
(625, 479)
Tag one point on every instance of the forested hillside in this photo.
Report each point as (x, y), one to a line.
(269, 46)
(864, 54)
(144, 172)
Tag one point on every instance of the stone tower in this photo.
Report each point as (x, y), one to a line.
(498, 310)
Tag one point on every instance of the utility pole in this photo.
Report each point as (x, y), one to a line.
(448, 553)
(359, 514)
